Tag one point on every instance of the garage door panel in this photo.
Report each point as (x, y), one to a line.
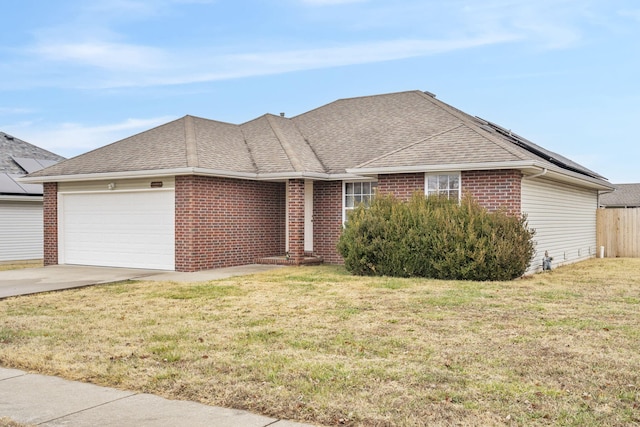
(134, 229)
(21, 230)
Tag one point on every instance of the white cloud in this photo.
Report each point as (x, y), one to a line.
(103, 55)
(97, 57)
(71, 139)
(186, 67)
(546, 23)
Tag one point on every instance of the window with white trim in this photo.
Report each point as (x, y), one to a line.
(357, 193)
(447, 184)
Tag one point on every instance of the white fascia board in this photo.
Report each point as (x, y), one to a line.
(578, 179)
(21, 199)
(104, 176)
(316, 176)
(188, 171)
(137, 174)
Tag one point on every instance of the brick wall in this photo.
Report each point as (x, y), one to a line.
(223, 222)
(50, 222)
(495, 189)
(401, 185)
(327, 219)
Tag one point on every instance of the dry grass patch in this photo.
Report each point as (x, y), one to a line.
(317, 345)
(20, 264)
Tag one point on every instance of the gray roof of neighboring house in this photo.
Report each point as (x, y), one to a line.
(18, 158)
(625, 195)
(396, 130)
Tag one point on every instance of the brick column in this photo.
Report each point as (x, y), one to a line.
(50, 222)
(185, 226)
(295, 202)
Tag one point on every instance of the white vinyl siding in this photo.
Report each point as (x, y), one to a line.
(132, 229)
(564, 218)
(21, 230)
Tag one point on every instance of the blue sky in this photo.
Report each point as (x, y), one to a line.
(76, 75)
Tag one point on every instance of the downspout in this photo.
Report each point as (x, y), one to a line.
(600, 193)
(536, 175)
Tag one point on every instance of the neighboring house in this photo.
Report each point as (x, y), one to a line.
(624, 196)
(197, 194)
(21, 223)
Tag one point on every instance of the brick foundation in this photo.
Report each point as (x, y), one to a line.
(224, 222)
(50, 222)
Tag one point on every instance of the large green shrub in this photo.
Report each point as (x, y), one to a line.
(437, 238)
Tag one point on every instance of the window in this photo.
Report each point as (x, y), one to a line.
(444, 184)
(356, 193)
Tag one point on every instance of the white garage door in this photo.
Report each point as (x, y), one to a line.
(118, 229)
(20, 230)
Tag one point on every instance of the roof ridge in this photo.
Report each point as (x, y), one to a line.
(355, 97)
(191, 143)
(306, 141)
(288, 149)
(397, 150)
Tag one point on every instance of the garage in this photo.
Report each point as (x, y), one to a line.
(21, 230)
(133, 229)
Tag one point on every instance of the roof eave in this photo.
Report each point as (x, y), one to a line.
(521, 165)
(18, 198)
(526, 166)
(272, 176)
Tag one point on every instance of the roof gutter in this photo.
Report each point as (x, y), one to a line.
(536, 175)
(20, 198)
(536, 169)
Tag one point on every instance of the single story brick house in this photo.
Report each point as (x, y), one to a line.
(196, 194)
(21, 233)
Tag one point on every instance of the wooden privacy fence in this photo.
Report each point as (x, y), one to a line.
(618, 230)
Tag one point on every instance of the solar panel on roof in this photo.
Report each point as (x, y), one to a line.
(542, 152)
(28, 164)
(32, 189)
(9, 186)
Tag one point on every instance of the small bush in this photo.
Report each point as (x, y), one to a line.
(436, 238)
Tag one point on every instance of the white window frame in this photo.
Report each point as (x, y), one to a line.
(344, 194)
(449, 190)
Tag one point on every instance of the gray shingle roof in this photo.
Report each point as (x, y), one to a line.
(383, 131)
(625, 195)
(18, 158)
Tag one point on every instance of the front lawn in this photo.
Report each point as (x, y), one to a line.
(317, 345)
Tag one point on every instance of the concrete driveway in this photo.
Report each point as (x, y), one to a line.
(57, 277)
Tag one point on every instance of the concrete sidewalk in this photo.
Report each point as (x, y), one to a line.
(51, 401)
